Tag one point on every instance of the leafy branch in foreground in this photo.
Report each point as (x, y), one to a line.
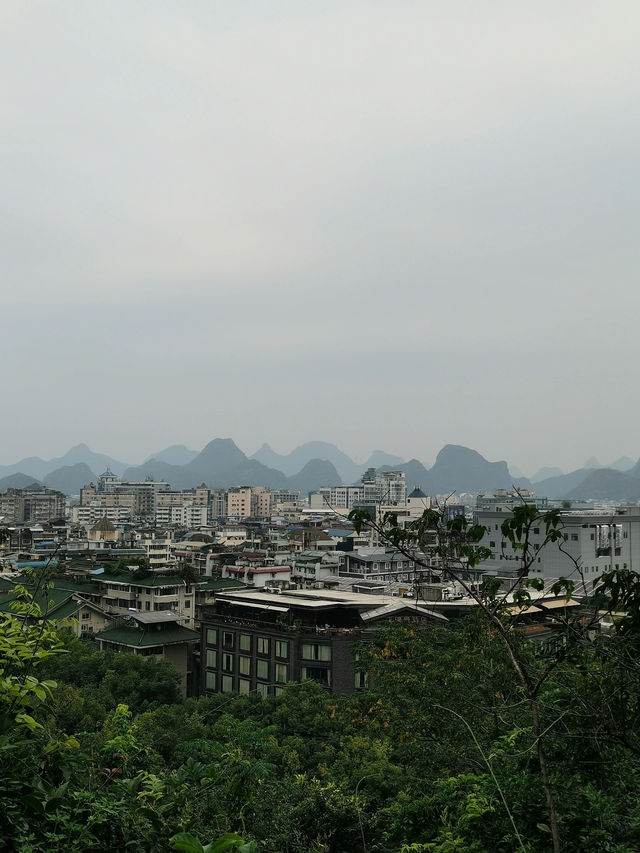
(454, 547)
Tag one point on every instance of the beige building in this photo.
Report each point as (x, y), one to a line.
(139, 497)
(113, 505)
(159, 551)
(239, 502)
(189, 508)
(248, 502)
(103, 531)
(123, 593)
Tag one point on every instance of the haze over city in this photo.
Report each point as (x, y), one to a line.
(381, 225)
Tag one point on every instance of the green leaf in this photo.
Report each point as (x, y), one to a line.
(186, 842)
(28, 721)
(225, 842)
(543, 827)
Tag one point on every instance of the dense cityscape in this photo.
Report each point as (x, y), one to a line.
(258, 592)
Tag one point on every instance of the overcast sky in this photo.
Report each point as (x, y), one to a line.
(381, 224)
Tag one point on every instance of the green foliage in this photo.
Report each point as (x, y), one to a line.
(230, 841)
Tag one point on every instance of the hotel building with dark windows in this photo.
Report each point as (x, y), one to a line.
(256, 642)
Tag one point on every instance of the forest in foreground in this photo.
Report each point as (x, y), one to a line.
(98, 751)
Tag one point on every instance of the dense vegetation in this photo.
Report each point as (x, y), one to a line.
(470, 739)
(438, 755)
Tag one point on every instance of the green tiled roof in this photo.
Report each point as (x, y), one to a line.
(147, 580)
(89, 586)
(138, 638)
(222, 583)
(69, 608)
(47, 601)
(54, 604)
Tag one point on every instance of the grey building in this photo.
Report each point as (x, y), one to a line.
(598, 540)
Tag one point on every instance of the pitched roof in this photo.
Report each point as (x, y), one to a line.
(417, 493)
(123, 635)
(151, 579)
(103, 526)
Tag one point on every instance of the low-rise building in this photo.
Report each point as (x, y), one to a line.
(157, 634)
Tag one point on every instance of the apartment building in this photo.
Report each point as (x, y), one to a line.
(117, 508)
(181, 509)
(32, 505)
(112, 492)
(387, 487)
(248, 502)
(120, 593)
(158, 550)
(338, 498)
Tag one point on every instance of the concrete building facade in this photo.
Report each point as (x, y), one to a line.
(598, 540)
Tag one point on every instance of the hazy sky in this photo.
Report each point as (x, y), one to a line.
(382, 224)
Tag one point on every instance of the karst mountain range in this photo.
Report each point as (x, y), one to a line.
(222, 464)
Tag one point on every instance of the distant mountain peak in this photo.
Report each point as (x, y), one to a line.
(592, 462)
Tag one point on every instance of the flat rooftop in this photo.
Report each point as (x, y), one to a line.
(153, 617)
(316, 599)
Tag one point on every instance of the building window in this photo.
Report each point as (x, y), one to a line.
(282, 648)
(263, 645)
(227, 684)
(281, 673)
(262, 669)
(574, 537)
(227, 662)
(262, 689)
(361, 680)
(86, 614)
(314, 651)
(210, 681)
(212, 658)
(245, 665)
(227, 640)
(245, 642)
(320, 676)
(244, 686)
(212, 636)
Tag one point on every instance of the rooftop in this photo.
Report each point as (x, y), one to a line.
(316, 599)
(136, 637)
(160, 617)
